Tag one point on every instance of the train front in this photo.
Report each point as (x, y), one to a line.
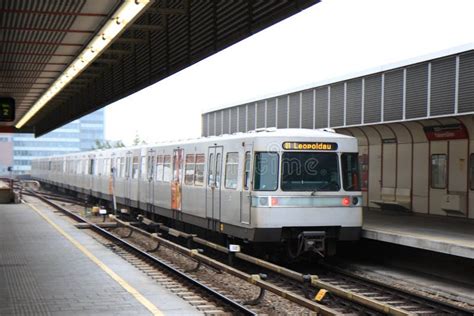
(306, 191)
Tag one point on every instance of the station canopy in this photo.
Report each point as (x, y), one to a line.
(60, 60)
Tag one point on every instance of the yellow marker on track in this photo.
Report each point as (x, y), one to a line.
(130, 289)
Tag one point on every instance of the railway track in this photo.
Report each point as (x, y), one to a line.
(207, 300)
(347, 294)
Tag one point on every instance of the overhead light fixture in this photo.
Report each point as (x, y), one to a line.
(124, 16)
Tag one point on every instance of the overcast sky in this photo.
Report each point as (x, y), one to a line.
(331, 39)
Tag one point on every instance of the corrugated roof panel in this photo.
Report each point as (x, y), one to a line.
(233, 120)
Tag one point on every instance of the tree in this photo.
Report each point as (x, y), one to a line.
(137, 140)
(107, 144)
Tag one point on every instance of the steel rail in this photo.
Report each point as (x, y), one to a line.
(193, 253)
(240, 309)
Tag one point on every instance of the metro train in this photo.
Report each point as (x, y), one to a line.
(294, 187)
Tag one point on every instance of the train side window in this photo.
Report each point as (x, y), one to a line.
(127, 167)
(350, 171)
(123, 167)
(135, 167)
(199, 170)
(91, 166)
(167, 168)
(218, 170)
(247, 171)
(266, 171)
(438, 171)
(143, 172)
(189, 170)
(159, 168)
(471, 171)
(210, 176)
(231, 170)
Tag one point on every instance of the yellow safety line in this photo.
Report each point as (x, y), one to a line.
(139, 297)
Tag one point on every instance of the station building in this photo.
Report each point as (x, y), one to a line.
(413, 120)
(79, 135)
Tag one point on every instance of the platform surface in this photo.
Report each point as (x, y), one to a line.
(449, 235)
(44, 273)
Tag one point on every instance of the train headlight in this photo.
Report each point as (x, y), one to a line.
(263, 201)
(355, 200)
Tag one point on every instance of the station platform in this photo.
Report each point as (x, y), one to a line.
(448, 235)
(49, 267)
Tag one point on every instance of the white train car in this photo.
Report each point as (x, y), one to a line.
(296, 186)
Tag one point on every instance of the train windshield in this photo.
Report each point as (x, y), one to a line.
(310, 171)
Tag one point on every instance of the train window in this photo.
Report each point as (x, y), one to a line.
(135, 167)
(266, 171)
(231, 170)
(471, 171)
(350, 172)
(143, 172)
(167, 168)
(210, 176)
(91, 166)
(127, 167)
(189, 170)
(123, 167)
(218, 170)
(247, 171)
(310, 171)
(199, 170)
(159, 168)
(438, 171)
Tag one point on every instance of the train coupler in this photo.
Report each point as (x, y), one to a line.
(312, 241)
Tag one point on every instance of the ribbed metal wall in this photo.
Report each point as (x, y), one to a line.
(393, 96)
(233, 120)
(261, 114)
(419, 91)
(242, 118)
(466, 82)
(321, 115)
(294, 111)
(271, 113)
(337, 105)
(354, 102)
(373, 99)
(307, 109)
(282, 112)
(250, 116)
(443, 85)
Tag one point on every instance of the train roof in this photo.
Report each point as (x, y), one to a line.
(326, 133)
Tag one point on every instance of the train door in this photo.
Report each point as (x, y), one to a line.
(128, 175)
(213, 187)
(438, 176)
(176, 183)
(246, 197)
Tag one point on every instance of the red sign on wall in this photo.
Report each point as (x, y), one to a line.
(445, 132)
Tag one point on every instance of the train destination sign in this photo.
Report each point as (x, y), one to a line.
(309, 146)
(7, 109)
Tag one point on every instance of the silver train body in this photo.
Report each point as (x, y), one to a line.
(262, 186)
